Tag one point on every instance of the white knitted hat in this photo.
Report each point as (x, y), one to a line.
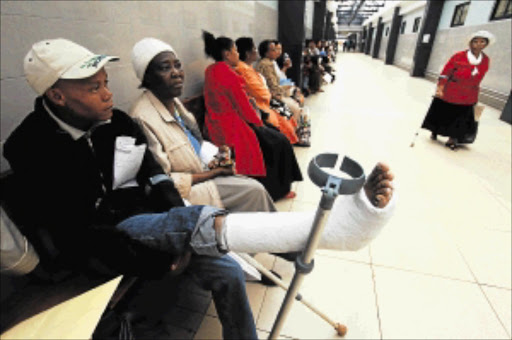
(54, 59)
(144, 51)
(483, 34)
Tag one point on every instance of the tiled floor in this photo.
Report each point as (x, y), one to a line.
(442, 267)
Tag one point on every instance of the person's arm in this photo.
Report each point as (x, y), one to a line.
(211, 174)
(445, 75)
(272, 81)
(254, 85)
(240, 100)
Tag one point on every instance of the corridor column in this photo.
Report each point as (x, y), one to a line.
(378, 37)
(393, 36)
(369, 37)
(426, 37)
(319, 20)
(291, 33)
(363, 40)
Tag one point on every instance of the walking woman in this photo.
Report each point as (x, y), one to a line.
(451, 113)
(260, 152)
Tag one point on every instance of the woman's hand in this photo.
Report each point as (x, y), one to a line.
(440, 91)
(225, 170)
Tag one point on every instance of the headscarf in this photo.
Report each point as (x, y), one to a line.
(483, 34)
(144, 51)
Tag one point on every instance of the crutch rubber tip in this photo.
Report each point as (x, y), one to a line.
(341, 329)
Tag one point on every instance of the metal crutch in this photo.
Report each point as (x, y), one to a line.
(340, 328)
(331, 187)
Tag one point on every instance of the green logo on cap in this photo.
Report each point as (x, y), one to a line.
(93, 62)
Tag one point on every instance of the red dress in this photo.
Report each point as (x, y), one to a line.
(228, 114)
(460, 87)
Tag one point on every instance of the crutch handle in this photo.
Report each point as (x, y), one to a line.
(349, 166)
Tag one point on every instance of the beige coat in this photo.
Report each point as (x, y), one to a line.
(172, 148)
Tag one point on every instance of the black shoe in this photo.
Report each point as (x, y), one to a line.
(268, 282)
(452, 146)
(290, 257)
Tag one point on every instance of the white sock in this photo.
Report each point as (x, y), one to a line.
(352, 224)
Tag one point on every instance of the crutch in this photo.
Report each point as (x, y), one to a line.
(340, 328)
(331, 187)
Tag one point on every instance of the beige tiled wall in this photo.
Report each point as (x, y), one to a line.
(405, 50)
(113, 27)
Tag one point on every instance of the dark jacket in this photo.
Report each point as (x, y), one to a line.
(60, 183)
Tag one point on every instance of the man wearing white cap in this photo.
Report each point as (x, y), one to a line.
(82, 167)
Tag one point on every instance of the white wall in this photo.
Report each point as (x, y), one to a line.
(479, 13)
(113, 27)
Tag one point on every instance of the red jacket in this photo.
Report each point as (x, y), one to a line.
(460, 87)
(228, 114)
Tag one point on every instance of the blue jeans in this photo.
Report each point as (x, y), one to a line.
(185, 228)
(226, 280)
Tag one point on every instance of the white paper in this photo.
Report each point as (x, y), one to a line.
(127, 161)
(426, 38)
(208, 151)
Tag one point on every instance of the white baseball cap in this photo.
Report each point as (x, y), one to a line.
(54, 59)
(144, 51)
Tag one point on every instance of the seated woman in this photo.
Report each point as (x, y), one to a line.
(261, 152)
(175, 140)
(284, 63)
(257, 89)
(267, 67)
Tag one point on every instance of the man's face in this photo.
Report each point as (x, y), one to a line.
(88, 100)
(167, 75)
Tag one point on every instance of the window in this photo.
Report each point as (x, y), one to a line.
(387, 31)
(459, 15)
(502, 10)
(402, 28)
(416, 26)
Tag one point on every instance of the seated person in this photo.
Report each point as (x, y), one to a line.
(76, 142)
(260, 152)
(284, 63)
(175, 140)
(257, 89)
(267, 67)
(134, 221)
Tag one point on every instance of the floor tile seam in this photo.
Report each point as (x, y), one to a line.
(377, 265)
(488, 189)
(375, 294)
(482, 291)
(494, 310)
(494, 286)
(457, 247)
(343, 259)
